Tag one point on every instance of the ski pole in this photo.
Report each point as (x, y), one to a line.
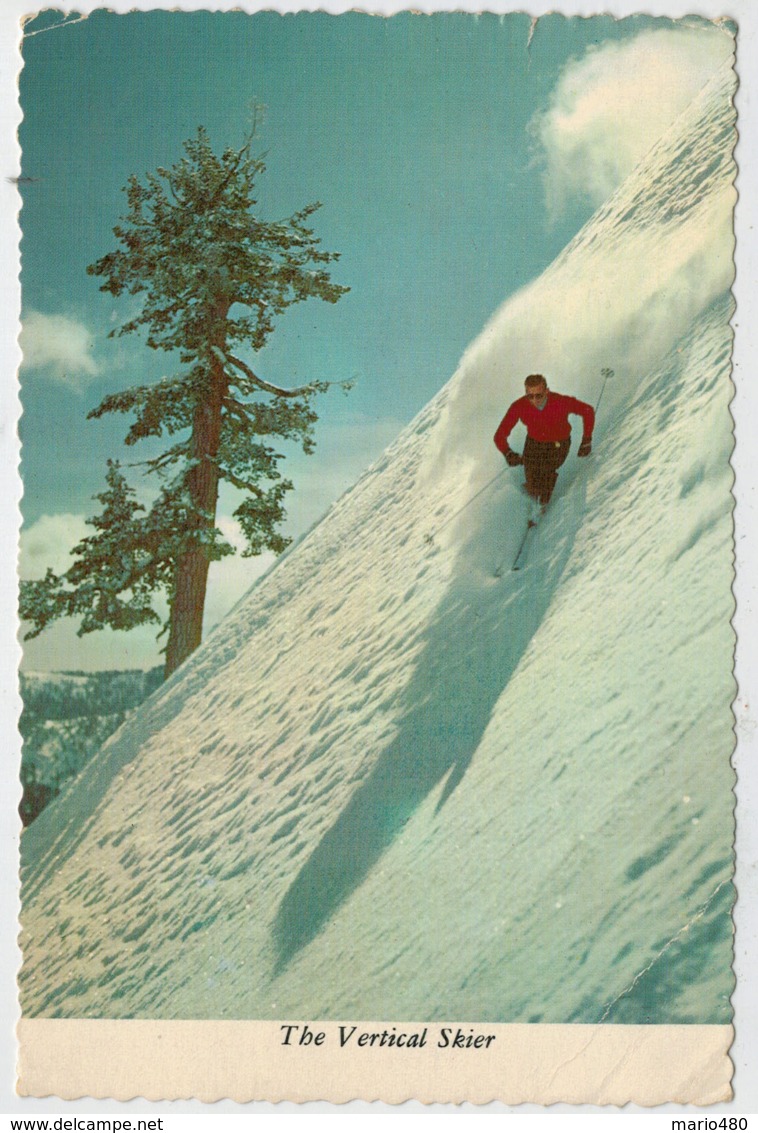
(517, 561)
(430, 537)
(607, 373)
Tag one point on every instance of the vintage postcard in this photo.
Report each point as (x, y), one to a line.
(377, 557)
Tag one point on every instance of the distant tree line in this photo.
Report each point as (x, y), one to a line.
(66, 718)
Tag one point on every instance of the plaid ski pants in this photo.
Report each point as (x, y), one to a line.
(542, 459)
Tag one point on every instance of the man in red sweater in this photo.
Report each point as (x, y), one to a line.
(548, 438)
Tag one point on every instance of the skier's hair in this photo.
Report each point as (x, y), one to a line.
(535, 380)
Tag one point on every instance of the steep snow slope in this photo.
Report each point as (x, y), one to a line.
(392, 786)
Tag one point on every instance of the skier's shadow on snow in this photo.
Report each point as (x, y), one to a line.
(474, 645)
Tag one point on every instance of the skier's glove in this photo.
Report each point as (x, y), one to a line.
(513, 458)
(585, 448)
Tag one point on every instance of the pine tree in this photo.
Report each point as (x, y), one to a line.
(213, 277)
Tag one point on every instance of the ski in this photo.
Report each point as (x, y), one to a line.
(531, 522)
(517, 561)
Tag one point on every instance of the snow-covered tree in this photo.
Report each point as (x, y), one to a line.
(213, 277)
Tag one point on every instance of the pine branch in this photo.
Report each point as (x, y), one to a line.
(313, 387)
(159, 463)
(238, 410)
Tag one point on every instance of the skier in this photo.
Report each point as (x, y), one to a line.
(548, 438)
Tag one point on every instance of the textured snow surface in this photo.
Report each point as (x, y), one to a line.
(390, 785)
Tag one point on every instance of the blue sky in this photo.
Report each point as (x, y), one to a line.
(438, 146)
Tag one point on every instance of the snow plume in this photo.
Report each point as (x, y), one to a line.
(611, 106)
(621, 294)
(60, 346)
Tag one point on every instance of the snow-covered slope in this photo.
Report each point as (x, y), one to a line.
(393, 786)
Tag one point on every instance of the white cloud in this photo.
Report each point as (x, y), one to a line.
(60, 649)
(60, 346)
(231, 577)
(611, 106)
(48, 543)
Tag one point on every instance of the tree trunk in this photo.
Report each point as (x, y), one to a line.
(191, 572)
(187, 607)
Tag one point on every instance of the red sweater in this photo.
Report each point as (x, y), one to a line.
(548, 424)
